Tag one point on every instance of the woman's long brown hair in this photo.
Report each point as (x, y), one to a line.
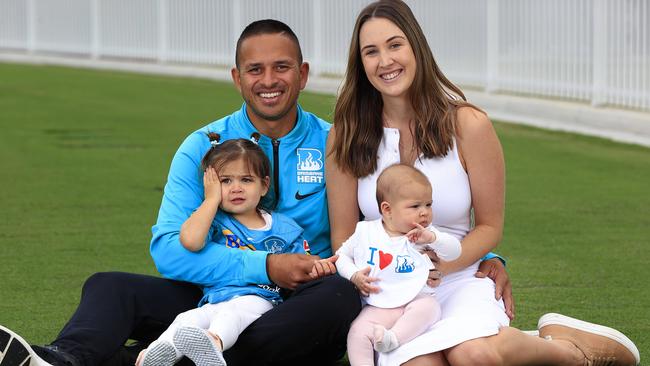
(358, 110)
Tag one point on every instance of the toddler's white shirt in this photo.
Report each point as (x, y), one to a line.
(402, 270)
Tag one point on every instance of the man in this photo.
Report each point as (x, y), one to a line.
(310, 326)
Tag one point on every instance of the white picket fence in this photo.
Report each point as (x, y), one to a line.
(594, 51)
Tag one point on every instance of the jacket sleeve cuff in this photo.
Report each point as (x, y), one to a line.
(491, 255)
(255, 263)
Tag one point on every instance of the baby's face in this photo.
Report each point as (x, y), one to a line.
(413, 206)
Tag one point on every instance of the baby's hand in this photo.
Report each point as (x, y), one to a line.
(364, 283)
(212, 186)
(420, 235)
(324, 267)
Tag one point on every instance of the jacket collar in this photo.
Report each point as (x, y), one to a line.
(247, 128)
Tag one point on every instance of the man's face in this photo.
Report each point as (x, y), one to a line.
(270, 79)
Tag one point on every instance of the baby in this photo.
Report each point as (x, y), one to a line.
(382, 258)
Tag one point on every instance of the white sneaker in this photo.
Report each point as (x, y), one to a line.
(600, 344)
(159, 353)
(198, 346)
(14, 351)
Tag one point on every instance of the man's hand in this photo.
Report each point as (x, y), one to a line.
(324, 267)
(364, 283)
(496, 271)
(290, 270)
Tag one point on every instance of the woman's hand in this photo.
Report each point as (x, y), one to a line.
(496, 271)
(435, 274)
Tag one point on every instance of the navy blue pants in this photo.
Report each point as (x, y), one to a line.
(309, 328)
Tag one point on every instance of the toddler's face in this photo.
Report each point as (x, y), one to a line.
(241, 190)
(412, 206)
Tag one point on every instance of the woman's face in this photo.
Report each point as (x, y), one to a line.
(387, 57)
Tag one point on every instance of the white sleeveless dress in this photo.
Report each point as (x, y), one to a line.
(469, 309)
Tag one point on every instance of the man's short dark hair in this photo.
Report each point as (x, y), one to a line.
(267, 26)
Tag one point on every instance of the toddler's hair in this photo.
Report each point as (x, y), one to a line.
(395, 177)
(228, 151)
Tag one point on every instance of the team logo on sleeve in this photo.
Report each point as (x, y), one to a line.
(310, 166)
(305, 247)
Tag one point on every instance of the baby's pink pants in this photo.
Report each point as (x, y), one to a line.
(407, 322)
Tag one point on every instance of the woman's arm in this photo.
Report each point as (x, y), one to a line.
(341, 198)
(482, 157)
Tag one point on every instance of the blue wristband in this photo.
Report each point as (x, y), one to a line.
(491, 255)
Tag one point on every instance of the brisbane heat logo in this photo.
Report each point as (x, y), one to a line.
(274, 245)
(310, 166)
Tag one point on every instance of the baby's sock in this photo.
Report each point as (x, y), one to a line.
(384, 339)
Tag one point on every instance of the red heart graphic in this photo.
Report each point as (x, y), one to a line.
(384, 259)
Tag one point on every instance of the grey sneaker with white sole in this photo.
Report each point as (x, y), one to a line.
(198, 346)
(159, 353)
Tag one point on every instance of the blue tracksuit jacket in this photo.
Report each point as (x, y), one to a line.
(298, 164)
(284, 236)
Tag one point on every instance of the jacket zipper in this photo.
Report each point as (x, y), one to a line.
(276, 169)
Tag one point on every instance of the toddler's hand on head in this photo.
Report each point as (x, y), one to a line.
(212, 186)
(364, 283)
(420, 235)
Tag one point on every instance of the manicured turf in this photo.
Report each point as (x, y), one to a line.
(84, 156)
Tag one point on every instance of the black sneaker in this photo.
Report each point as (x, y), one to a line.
(53, 355)
(14, 351)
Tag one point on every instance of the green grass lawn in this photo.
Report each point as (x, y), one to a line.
(84, 156)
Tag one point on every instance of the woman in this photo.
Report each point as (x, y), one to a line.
(395, 106)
